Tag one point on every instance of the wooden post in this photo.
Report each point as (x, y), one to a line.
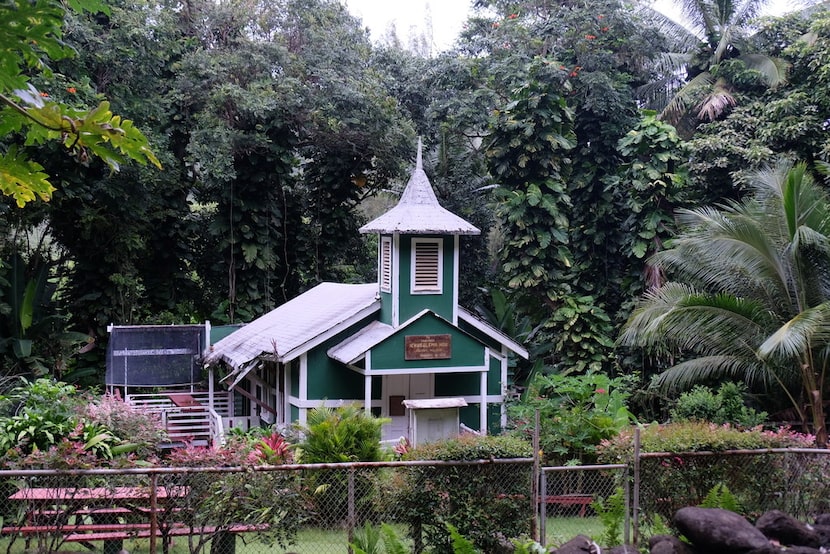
(636, 493)
(351, 515)
(154, 522)
(534, 485)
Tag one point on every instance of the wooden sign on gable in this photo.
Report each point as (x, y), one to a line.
(427, 347)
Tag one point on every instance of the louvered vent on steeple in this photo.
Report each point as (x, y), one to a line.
(386, 264)
(426, 266)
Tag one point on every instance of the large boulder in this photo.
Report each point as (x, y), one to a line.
(668, 544)
(823, 534)
(718, 531)
(787, 530)
(580, 544)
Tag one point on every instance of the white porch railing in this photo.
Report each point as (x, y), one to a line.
(197, 423)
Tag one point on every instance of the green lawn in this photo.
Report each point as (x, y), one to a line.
(323, 541)
(559, 530)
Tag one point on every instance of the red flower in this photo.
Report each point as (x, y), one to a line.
(71, 90)
(590, 37)
(496, 25)
(44, 94)
(600, 16)
(601, 391)
(513, 16)
(604, 29)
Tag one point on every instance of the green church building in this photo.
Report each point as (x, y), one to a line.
(401, 347)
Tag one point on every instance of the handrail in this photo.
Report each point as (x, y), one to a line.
(217, 428)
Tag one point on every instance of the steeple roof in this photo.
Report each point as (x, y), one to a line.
(418, 211)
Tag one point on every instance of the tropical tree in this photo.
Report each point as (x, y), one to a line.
(749, 297)
(33, 37)
(714, 50)
(788, 121)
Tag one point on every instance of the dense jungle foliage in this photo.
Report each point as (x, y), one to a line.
(570, 133)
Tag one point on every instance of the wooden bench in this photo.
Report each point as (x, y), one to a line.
(87, 515)
(113, 535)
(581, 500)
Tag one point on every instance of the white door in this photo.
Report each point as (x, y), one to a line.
(397, 389)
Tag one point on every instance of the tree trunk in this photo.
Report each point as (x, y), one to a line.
(819, 427)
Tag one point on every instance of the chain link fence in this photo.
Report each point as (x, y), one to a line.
(572, 498)
(310, 509)
(795, 481)
(322, 508)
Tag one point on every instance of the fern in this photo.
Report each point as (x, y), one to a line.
(720, 496)
(391, 542)
(461, 545)
(367, 540)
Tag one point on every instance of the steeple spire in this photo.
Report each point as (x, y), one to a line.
(418, 210)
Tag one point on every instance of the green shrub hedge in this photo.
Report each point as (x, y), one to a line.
(486, 502)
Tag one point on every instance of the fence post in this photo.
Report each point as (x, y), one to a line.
(534, 485)
(635, 508)
(154, 522)
(627, 501)
(350, 520)
(543, 510)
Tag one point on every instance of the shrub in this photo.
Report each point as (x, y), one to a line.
(576, 414)
(337, 435)
(144, 431)
(680, 478)
(725, 406)
(698, 436)
(484, 502)
(342, 434)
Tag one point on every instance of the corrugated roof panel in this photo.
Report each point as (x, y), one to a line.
(295, 323)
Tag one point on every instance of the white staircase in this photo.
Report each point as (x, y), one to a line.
(195, 423)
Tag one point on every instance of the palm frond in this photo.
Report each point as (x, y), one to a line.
(701, 16)
(687, 96)
(678, 316)
(726, 250)
(716, 102)
(773, 70)
(807, 330)
(703, 369)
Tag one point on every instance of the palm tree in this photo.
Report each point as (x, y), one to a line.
(750, 295)
(715, 31)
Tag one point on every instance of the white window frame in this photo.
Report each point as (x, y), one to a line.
(437, 288)
(385, 265)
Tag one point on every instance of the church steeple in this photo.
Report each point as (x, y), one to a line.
(418, 211)
(418, 252)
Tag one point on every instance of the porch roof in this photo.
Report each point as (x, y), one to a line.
(288, 331)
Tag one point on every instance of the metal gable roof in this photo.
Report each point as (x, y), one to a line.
(492, 332)
(291, 329)
(418, 211)
(356, 346)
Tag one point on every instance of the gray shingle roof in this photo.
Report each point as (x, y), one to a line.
(291, 329)
(418, 211)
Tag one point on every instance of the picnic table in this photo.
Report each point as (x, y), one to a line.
(108, 514)
(85, 514)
